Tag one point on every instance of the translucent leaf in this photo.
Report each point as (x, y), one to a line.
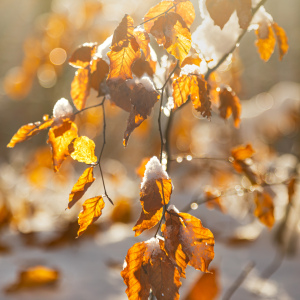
(264, 210)
(60, 137)
(282, 39)
(82, 56)
(82, 149)
(81, 186)
(29, 130)
(92, 210)
(265, 41)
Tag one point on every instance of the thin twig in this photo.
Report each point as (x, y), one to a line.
(89, 107)
(101, 152)
(160, 108)
(238, 281)
(225, 56)
(174, 159)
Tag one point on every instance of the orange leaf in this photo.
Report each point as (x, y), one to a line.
(34, 277)
(80, 88)
(183, 8)
(220, 11)
(142, 100)
(82, 56)
(291, 188)
(281, 39)
(81, 186)
(264, 208)
(29, 130)
(143, 41)
(134, 273)
(197, 88)
(99, 70)
(192, 60)
(82, 149)
(124, 50)
(147, 221)
(214, 200)
(207, 287)
(171, 31)
(265, 41)
(60, 137)
(230, 104)
(197, 242)
(147, 266)
(140, 171)
(122, 211)
(242, 152)
(92, 210)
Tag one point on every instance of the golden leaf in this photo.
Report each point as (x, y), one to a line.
(171, 31)
(60, 137)
(92, 210)
(264, 210)
(82, 149)
(34, 277)
(80, 88)
(242, 152)
(29, 130)
(282, 39)
(81, 186)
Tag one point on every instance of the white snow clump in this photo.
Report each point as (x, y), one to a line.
(154, 170)
(62, 108)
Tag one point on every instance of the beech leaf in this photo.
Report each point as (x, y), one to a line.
(81, 186)
(60, 137)
(92, 210)
(282, 39)
(264, 210)
(82, 149)
(29, 130)
(82, 56)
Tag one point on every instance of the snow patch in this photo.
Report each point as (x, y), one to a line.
(190, 69)
(154, 170)
(104, 48)
(173, 207)
(62, 108)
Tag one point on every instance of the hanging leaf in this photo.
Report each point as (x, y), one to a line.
(29, 130)
(124, 50)
(82, 149)
(99, 70)
(80, 88)
(264, 210)
(81, 186)
(265, 41)
(147, 266)
(60, 137)
(197, 88)
(291, 188)
(282, 39)
(171, 31)
(143, 40)
(197, 242)
(82, 56)
(92, 210)
(230, 104)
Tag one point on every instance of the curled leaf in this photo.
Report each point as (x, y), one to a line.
(282, 39)
(81, 186)
(80, 88)
(92, 210)
(82, 149)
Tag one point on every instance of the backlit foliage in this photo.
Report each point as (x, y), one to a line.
(125, 70)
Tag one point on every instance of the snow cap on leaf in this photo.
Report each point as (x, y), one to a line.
(62, 108)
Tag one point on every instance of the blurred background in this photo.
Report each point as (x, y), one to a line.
(36, 41)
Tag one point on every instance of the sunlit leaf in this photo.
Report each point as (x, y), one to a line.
(81, 186)
(92, 210)
(264, 210)
(124, 50)
(29, 130)
(171, 31)
(266, 41)
(282, 39)
(197, 242)
(80, 88)
(197, 88)
(147, 266)
(143, 40)
(82, 149)
(242, 152)
(60, 137)
(82, 56)
(230, 104)
(34, 277)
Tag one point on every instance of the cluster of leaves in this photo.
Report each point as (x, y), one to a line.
(125, 74)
